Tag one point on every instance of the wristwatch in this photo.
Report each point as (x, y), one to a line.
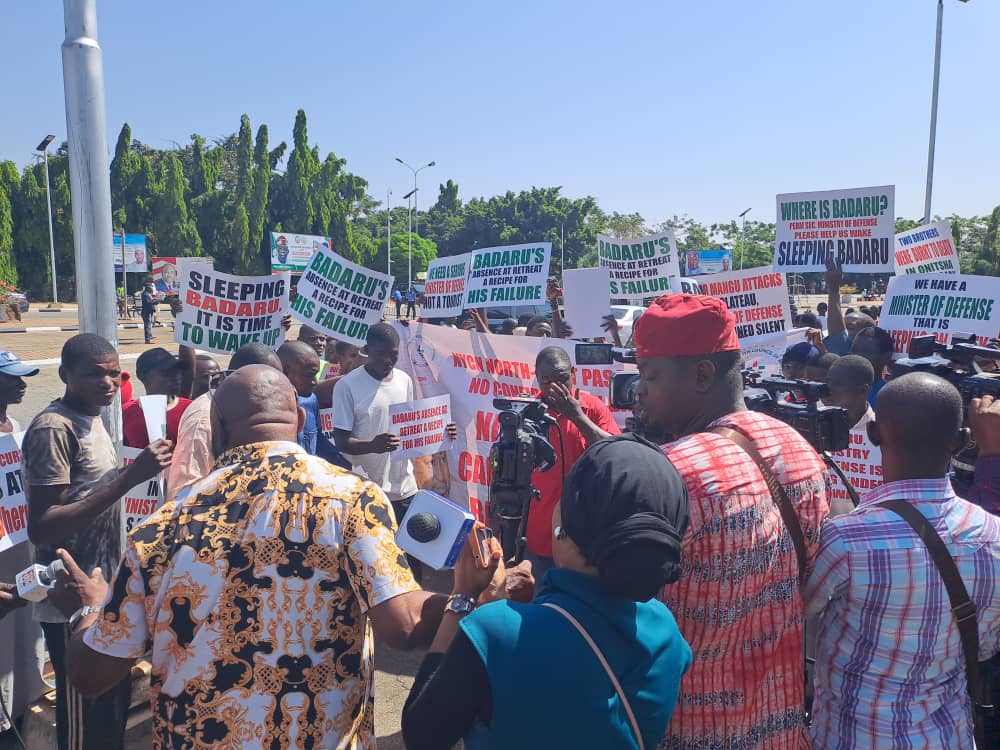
(460, 604)
(90, 609)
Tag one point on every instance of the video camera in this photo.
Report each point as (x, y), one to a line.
(520, 448)
(955, 362)
(825, 427)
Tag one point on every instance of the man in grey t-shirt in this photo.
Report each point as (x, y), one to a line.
(74, 487)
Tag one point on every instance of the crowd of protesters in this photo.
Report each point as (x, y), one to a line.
(674, 573)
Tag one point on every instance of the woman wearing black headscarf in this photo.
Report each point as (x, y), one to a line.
(595, 661)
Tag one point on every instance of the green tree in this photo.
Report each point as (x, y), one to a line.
(424, 251)
(175, 233)
(9, 185)
(125, 169)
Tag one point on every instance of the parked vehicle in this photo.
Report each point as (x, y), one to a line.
(626, 315)
(21, 299)
(495, 316)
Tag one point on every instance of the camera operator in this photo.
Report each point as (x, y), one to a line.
(850, 379)
(740, 547)
(581, 420)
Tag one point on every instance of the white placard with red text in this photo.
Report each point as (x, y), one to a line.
(861, 463)
(926, 249)
(13, 502)
(758, 299)
(420, 426)
(142, 499)
(475, 368)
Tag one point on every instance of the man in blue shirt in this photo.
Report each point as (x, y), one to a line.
(875, 345)
(301, 365)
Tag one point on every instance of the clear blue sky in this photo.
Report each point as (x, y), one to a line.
(702, 107)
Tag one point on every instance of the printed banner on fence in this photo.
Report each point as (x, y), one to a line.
(475, 368)
(133, 252)
(142, 499)
(223, 312)
(166, 275)
(13, 502)
(702, 262)
(758, 299)
(587, 298)
(508, 276)
(926, 249)
(292, 252)
(857, 227)
(340, 298)
(861, 463)
(444, 289)
(642, 267)
(941, 305)
(420, 426)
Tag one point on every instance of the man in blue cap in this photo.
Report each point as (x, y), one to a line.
(12, 387)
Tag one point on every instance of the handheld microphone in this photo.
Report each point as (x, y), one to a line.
(434, 530)
(35, 582)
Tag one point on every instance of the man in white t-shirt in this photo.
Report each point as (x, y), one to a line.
(361, 422)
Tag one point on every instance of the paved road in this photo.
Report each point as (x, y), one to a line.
(394, 669)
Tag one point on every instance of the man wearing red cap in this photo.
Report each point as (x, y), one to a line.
(737, 602)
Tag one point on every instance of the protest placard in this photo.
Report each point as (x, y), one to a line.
(861, 463)
(926, 249)
(142, 499)
(326, 423)
(640, 268)
(444, 290)
(758, 299)
(292, 252)
(941, 305)
(856, 227)
(508, 276)
(340, 298)
(223, 312)
(420, 426)
(13, 503)
(587, 298)
(474, 369)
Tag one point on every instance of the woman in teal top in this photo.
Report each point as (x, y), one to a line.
(521, 675)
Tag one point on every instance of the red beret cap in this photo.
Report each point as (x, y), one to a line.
(685, 325)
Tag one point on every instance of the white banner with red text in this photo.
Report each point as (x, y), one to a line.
(758, 299)
(13, 502)
(142, 499)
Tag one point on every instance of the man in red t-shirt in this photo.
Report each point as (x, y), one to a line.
(160, 373)
(582, 420)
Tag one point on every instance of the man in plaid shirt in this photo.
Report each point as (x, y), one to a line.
(890, 670)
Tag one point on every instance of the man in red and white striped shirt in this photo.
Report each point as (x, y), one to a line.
(737, 601)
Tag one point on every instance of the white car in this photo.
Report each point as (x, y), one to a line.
(626, 315)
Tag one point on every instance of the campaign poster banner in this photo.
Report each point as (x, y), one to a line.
(926, 249)
(702, 262)
(758, 299)
(166, 274)
(140, 501)
(642, 267)
(223, 312)
(420, 426)
(941, 305)
(292, 252)
(508, 276)
(136, 260)
(587, 298)
(444, 288)
(13, 502)
(475, 368)
(856, 227)
(861, 463)
(340, 298)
